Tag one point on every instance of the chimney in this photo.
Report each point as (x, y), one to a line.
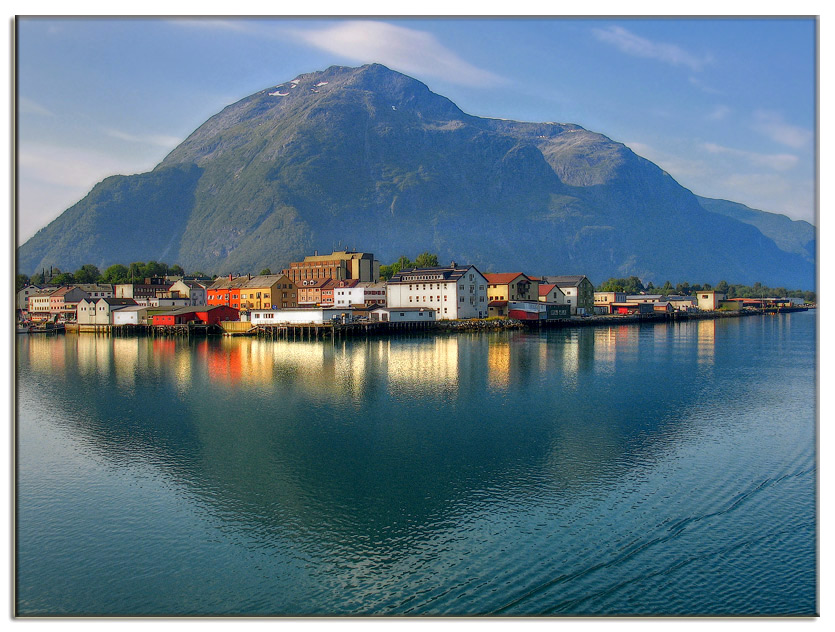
(230, 276)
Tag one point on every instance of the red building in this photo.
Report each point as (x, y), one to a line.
(203, 314)
(226, 291)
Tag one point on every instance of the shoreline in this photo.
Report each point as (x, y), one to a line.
(310, 331)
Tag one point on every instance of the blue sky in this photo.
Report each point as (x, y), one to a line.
(726, 106)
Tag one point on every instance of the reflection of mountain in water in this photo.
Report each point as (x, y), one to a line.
(375, 443)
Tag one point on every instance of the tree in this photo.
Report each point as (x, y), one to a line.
(136, 271)
(722, 286)
(88, 273)
(667, 288)
(426, 260)
(154, 269)
(117, 273)
(265, 271)
(632, 285)
(21, 281)
(611, 285)
(36, 279)
(176, 270)
(64, 278)
(683, 288)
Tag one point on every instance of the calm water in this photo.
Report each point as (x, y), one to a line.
(662, 469)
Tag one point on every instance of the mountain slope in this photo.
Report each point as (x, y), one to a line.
(371, 159)
(790, 235)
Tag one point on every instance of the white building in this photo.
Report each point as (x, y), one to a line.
(300, 316)
(403, 314)
(24, 294)
(131, 315)
(454, 291)
(100, 312)
(39, 303)
(192, 290)
(363, 294)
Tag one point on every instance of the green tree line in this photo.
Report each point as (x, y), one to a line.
(423, 260)
(633, 285)
(88, 273)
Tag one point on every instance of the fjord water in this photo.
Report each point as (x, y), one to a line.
(631, 470)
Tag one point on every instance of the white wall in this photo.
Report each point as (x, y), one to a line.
(305, 316)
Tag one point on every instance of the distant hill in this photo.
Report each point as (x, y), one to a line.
(790, 235)
(371, 159)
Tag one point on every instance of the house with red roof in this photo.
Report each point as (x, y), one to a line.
(509, 286)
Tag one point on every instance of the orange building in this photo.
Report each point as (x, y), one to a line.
(265, 291)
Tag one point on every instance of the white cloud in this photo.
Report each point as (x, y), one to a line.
(157, 140)
(632, 44)
(677, 166)
(405, 49)
(27, 106)
(721, 173)
(53, 178)
(213, 24)
(777, 162)
(701, 85)
(774, 127)
(719, 113)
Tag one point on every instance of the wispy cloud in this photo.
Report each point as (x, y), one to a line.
(53, 178)
(777, 162)
(676, 165)
(701, 85)
(637, 46)
(27, 106)
(774, 127)
(213, 24)
(719, 113)
(157, 140)
(404, 49)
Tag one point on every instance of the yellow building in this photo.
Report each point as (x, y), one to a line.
(268, 291)
(511, 286)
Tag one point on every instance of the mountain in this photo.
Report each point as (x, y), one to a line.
(790, 235)
(371, 159)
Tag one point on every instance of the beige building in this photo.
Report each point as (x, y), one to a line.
(511, 286)
(339, 266)
(709, 299)
(100, 312)
(268, 291)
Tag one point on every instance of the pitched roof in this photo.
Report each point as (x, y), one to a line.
(500, 278)
(567, 280)
(112, 301)
(312, 283)
(544, 288)
(443, 274)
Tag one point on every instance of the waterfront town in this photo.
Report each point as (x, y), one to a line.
(346, 287)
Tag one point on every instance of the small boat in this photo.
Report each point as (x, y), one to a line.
(23, 328)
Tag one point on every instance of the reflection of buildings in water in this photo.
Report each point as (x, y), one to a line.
(606, 341)
(706, 341)
(429, 363)
(126, 363)
(570, 359)
(94, 355)
(498, 364)
(43, 352)
(240, 362)
(351, 369)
